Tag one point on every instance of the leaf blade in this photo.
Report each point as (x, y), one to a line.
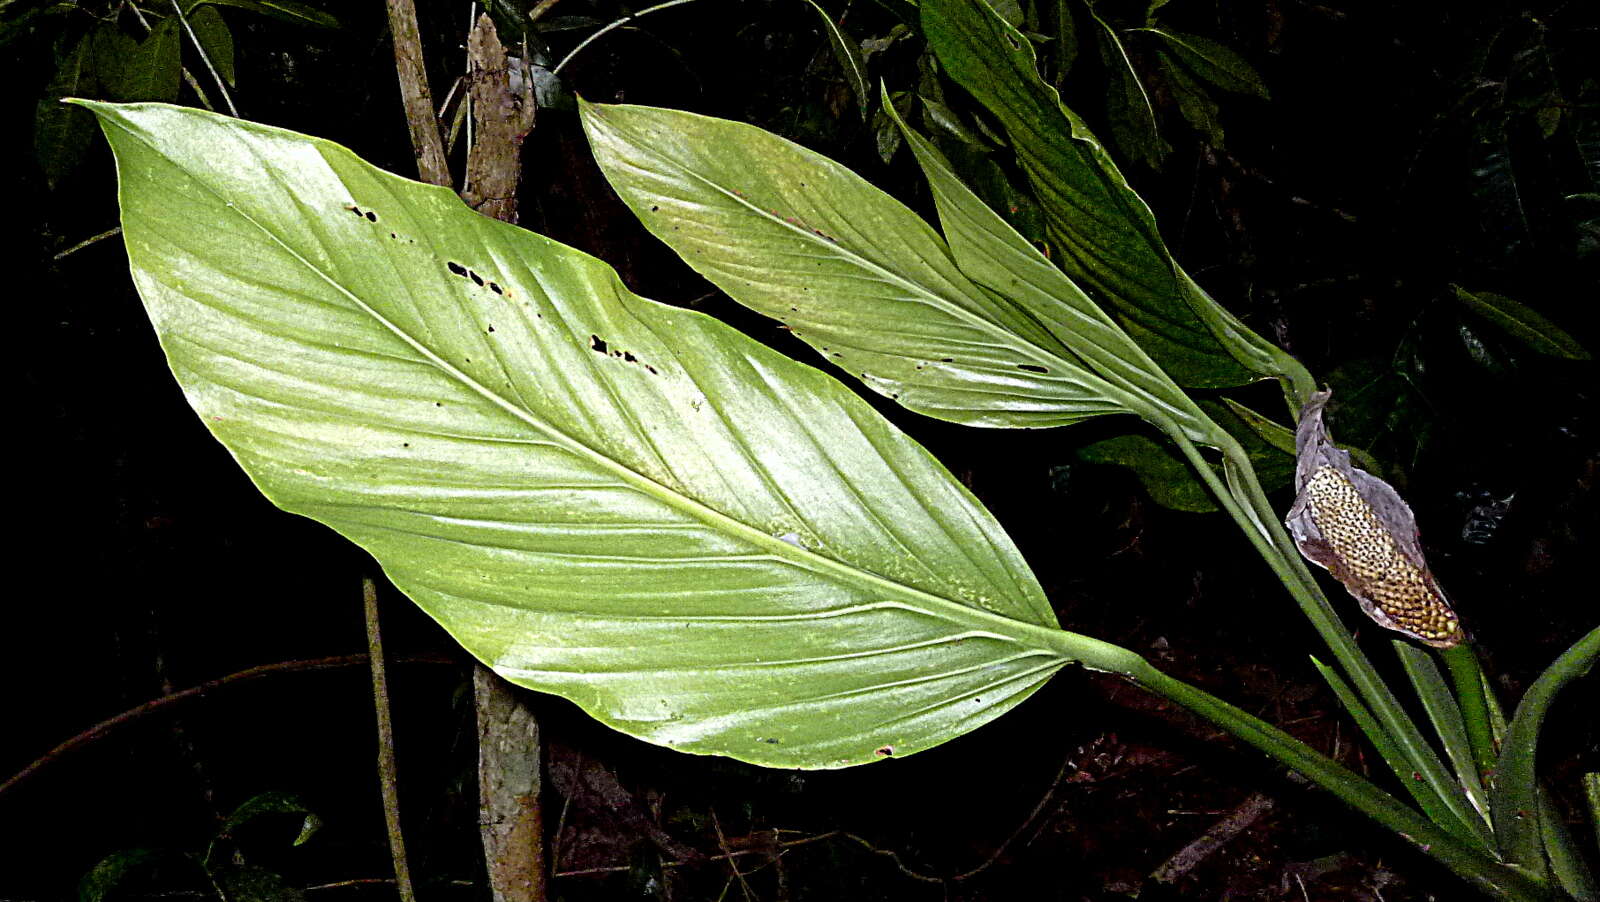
(702, 543)
(1523, 323)
(1108, 236)
(851, 61)
(847, 268)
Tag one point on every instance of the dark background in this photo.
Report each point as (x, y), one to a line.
(1402, 151)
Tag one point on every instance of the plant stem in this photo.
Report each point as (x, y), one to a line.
(1514, 799)
(222, 86)
(1466, 677)
(1244, 499)
(1476, 865)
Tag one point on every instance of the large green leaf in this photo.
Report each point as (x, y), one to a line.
(995, 256)
(700, 541)
(849, 269)
(1106, 234)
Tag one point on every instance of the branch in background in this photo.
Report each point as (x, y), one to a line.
(510, 773)
(425, 138)
(1190, 856)
(388, 776)
(509, 781)
(86, 243)
(222, 86)
(504, 109)
(195, 693)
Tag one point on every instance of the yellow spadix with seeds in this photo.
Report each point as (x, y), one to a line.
(1359, 528)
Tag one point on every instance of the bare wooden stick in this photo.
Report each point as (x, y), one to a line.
(388, 777)
(109, 233)
(504, 110)
(509, 781)
(425, 139)
(510, 774)
(1237, 821)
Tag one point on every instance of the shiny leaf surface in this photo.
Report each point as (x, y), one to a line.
(849, 269)
(701, 542)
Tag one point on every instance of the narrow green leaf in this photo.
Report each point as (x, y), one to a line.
(1514, 799)
(1212, 61)
(1280, 437)
(1480, 710)
(938, 116)
(699, 541)
(1591, 796)
(1106, 234)
(849, 269)
(1427, 793)
(62, 133)
(283, 10)
(215, 39)
(995, 256)
(1466, 858)
(851, 62)
(1445, 714)
(1128, 107)
(270, 804)
(1196, 105)
(1523, 323)
(1566, 862)
(1066, 44)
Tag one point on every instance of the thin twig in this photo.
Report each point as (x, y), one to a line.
(86, 242)
(893, 856)
(199, 92)
(540, 8)
(388, 779)
(154, 706)
(681, 863)
(205, 58)
(613, 26)
(425, 139)
(1026, 822)
(561, 822)
(727, 854)
(510, 770)
(188, 77)
(1216, 836)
